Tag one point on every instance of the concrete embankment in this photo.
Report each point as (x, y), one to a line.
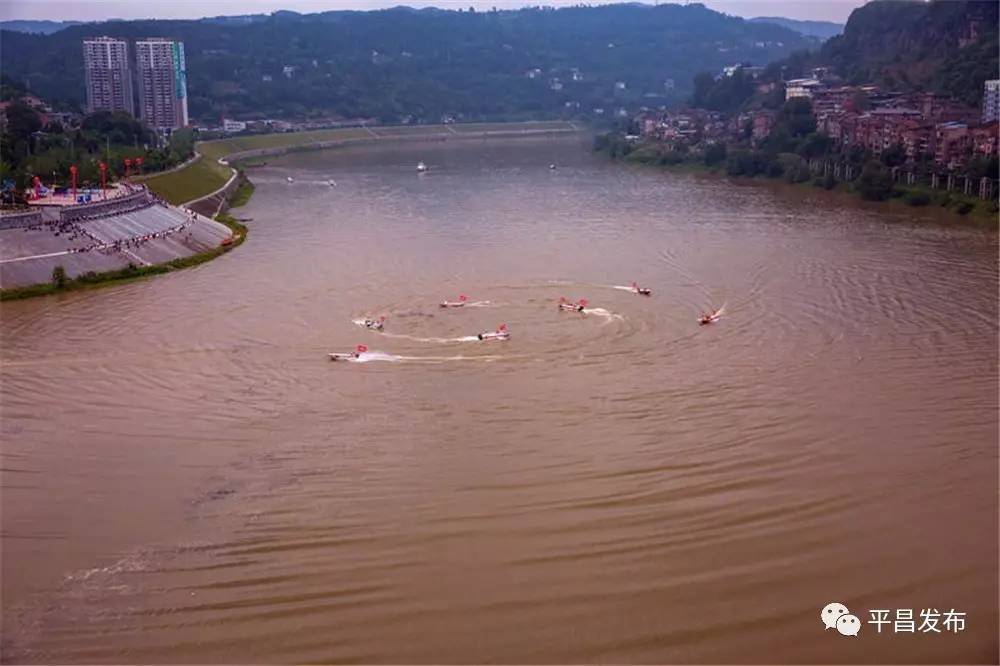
(102, 237)
(377, 137)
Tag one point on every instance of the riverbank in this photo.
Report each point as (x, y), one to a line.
(213, 180)
(952, 205)
(213, 169)
(199, 178)
(61, 283)
(131, 272)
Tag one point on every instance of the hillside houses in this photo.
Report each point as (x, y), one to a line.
(927, 126)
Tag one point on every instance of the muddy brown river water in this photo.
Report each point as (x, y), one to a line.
(188, 479)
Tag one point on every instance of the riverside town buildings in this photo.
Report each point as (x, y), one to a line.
(926, 125)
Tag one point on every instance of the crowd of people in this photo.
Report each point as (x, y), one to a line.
(138, 197)
(60, 228)
(132, 242)
(69, 226)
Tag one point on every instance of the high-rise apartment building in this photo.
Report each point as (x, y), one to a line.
(162, 80)
(991, 101)
(108, 75)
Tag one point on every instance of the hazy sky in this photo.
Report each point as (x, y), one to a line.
(58, 10)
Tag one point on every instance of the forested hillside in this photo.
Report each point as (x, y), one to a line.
(946, 46)
(820, 29)
(425, 63)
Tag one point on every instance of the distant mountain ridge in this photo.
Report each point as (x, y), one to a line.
(421, 65)
(37, 27)
(820, 29)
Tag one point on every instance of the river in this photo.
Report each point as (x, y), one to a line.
(187, 478)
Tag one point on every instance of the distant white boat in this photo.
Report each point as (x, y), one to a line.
(332, 183)
(289, 179)
(421, 167)
(552, 166)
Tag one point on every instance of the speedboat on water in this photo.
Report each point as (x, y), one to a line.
(565, 304)
(347, 356)
(500, 334)
(455, 304)
(710, 318)
(375, 324)
(421, 167)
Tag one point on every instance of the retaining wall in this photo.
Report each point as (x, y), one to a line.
(27, 218)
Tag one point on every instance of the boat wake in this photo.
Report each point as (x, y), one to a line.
(607, 314)
(416, 338)
(376, 356)
(370, 357)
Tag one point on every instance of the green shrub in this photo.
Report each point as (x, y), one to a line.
(242, 193)
(645, 155)
(671, 157)
(874, 183)
(797, 174)
(715, 154)
(826, 182)
(917, 198)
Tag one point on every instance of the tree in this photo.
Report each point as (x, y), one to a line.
(182, 143)
(728, 93)
(874, 183)
(703, 83)
(814, 145)
(749, 163)
(59, 277)
(794, 167)
(22, 122)
(981, 166)
(118, 127)
(779, 140)
(857, 155)
(894, 155)
(797, 116)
